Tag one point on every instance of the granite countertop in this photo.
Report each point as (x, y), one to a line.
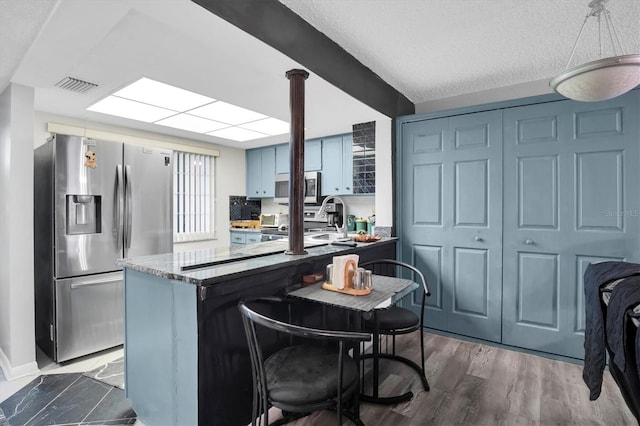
(209, 266)
(245, 229)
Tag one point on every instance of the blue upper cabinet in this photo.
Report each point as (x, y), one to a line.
(347, 164)
(332, 156)
(254, 171)
(282, 158)
(313, 155)
(261, 172)
(337, 173)
(268, 172)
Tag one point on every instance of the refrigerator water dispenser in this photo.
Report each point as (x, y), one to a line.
(84, 214)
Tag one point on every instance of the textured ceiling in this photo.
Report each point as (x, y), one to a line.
(114, 42)
(20, 22)
(434, 49)
(426, 49)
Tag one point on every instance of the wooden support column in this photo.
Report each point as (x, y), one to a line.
(296, 161)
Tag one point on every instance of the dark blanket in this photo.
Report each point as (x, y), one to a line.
(595, 276)
(624, 297)
(636, 314)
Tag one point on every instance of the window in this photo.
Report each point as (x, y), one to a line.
(193, 199)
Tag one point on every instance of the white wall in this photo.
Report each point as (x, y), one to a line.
(229, 170)
(17, 321)
(384, 175)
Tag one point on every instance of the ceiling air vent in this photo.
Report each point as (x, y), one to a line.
(75, 85)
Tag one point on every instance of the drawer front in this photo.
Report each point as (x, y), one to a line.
(238, 238)
(254, 238)
(89, 314)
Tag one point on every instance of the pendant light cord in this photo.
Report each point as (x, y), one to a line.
(597, 9)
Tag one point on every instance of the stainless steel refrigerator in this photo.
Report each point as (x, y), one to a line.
(95, 202)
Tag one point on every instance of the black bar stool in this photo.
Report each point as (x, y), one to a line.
(394, 321)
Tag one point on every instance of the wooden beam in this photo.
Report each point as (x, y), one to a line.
(273, 23)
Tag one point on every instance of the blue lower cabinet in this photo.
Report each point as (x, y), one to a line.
(253, 237)
(161, 332)
(244, 237)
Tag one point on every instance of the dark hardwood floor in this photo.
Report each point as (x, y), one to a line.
(476, 384)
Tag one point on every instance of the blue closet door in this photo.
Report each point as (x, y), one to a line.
(570, 198)
(451, 219)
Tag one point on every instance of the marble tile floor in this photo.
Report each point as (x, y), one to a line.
(62, 394)
(111, 373)
(68, 399)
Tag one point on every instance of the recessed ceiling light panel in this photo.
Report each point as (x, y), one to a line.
(237, 134)
(133, 110)
(227, 113)
(270, 126)
(191, 123)
(163, 95)
(159, 103)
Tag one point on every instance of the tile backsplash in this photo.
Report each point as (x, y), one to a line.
(358, 205)
(242, 209)
(364, 158)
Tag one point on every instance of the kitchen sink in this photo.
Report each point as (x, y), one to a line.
(327, 236)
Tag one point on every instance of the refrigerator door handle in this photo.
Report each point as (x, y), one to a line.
(128, 206)
(119, 207)
(96, 281)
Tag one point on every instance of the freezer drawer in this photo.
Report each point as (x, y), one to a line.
(89, 314)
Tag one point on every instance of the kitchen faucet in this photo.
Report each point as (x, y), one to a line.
(322, 213)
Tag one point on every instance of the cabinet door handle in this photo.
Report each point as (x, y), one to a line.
(477, 238)
(529, 242)
(337, 189)
(347, 188)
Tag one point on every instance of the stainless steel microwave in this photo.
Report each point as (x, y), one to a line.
(311, 188)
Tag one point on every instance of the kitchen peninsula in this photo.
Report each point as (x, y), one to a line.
(186, 355)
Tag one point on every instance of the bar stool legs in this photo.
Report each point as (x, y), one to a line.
(376, 355)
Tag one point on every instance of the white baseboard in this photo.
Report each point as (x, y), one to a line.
(12, 373)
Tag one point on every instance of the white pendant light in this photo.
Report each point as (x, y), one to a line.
(604, 78)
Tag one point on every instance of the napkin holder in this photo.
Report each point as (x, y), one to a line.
(344, 267)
